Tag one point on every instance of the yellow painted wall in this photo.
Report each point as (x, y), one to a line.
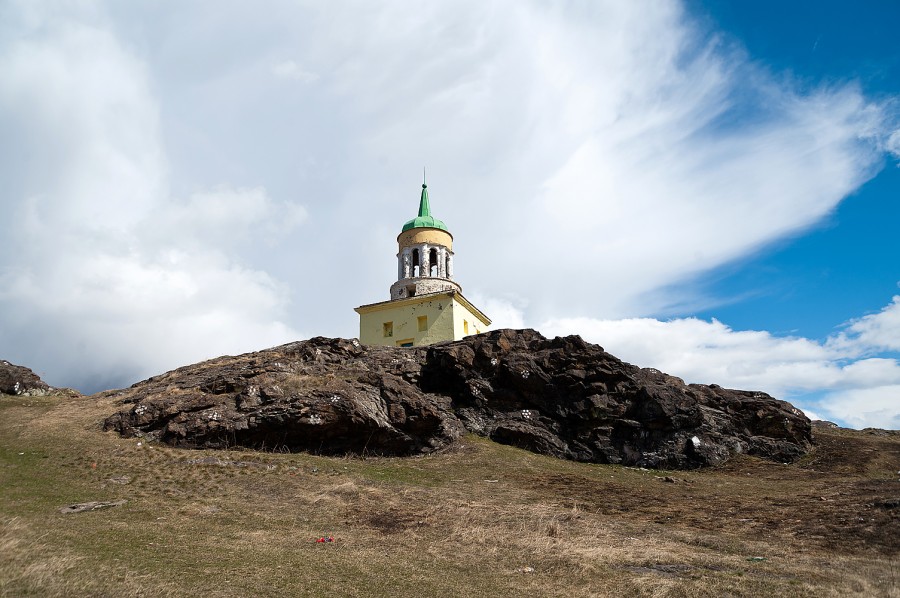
(404, 314)
(445, 315)
(432, 236)
(461, 315)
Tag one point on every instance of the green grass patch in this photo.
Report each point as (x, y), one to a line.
(476, 519)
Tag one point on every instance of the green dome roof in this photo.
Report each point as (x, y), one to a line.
(424, 219)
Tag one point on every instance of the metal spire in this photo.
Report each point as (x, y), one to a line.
(424, 206)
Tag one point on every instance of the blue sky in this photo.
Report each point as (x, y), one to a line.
(813, 282)
(708, 188)
(844, 265)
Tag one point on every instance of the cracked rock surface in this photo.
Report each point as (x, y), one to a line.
(562, 397)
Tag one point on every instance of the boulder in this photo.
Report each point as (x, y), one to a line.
(19, 380)
(562, 397)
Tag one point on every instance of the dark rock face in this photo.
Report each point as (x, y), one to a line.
(19, 380)
(561, 397)
(569, 398)
(325, 395)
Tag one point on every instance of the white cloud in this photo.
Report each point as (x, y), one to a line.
(612, 148)
(874, 332)
(288, 69)
(89, 127)
(225, 217)
(707, 352)
(105, 275)
(877, 407)
(812, 415)
(627, 207)
(893, 143)
(859, 391)
(505, 312)
(612, 139)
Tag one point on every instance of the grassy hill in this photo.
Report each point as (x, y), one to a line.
(479, 519)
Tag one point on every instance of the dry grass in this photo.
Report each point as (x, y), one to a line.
(479, 519)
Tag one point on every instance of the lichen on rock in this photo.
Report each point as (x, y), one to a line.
(21, 381)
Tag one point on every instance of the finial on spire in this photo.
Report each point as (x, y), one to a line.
(424, 206)
(424, 218)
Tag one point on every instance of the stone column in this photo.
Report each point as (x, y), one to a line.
(406, 267)
(450, 265)
(425, 268)
(442, 262)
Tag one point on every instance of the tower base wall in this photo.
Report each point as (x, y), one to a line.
(420, 320)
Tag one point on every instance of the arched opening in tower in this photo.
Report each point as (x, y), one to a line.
(433, 260)
(415, 262)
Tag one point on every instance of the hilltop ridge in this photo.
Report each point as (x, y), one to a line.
(562, 397)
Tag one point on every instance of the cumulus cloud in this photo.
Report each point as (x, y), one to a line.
(504, 312)
(874, 332)
(105, 276)
(877, 407)
(858, 391)
(706, 352)
(812, 415)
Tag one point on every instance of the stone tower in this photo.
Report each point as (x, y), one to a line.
(426, 304)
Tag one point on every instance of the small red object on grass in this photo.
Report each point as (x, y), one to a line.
(325, 539)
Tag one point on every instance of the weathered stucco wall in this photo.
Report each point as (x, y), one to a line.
(423, 286)
(446, 316)
(431, 236)
(461, 316)
(404, 318)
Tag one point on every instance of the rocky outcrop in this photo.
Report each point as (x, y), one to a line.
(561, 397)
(19, 380)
